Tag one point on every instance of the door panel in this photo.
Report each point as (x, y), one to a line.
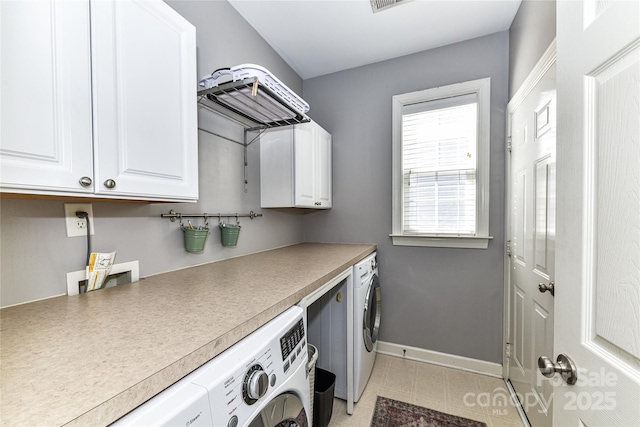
(532, 233)
(324, 179)
(615, 281)
(599, 184)
(518, 332)
(45, 112)
(144, 111)
(519, 211)
(544, 198)
(543, 341)
(305, 164)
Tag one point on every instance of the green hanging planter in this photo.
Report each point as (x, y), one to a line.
(229, 234)
(194, 238)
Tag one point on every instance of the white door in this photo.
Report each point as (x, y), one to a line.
(597, 301)
(45, 96)
(532, 199)
(145, 122)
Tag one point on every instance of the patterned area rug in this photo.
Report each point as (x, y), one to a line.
(393, 413)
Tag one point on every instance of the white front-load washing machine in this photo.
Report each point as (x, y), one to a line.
(366, 318)
(261, 381)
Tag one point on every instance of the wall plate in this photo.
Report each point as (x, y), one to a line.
(72, 220)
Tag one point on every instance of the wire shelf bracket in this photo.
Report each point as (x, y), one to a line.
(256, 109)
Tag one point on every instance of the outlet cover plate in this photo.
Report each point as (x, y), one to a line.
(71, 219)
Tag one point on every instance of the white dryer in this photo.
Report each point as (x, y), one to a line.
(366, 318)
(260, 381)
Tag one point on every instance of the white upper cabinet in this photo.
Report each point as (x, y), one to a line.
(144, 100)
(106, 105)
(295, 167)
(45, 95)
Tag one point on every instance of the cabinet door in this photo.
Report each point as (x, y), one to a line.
(45, 96)
(323, 168)
(144, 111)
(276, 168)
(305, 164)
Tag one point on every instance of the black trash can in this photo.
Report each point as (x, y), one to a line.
(324, 386)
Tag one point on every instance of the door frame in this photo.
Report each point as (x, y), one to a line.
(545, 62)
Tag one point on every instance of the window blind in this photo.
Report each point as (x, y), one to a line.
(439, 144)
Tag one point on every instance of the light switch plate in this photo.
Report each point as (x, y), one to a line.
(77, 226)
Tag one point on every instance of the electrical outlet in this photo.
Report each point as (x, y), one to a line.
(78, 226)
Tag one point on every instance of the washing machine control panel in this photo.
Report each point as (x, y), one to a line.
(366, 268)
(289, 341)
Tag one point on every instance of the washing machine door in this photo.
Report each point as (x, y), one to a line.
(286, 410)
(372, 306)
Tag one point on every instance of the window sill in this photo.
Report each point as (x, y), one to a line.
(468, 242)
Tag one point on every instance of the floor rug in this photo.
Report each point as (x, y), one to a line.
(393, 413)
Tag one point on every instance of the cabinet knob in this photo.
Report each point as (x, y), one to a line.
(85, 181)
(110, 183)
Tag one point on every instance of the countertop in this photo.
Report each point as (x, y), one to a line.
(89, 359)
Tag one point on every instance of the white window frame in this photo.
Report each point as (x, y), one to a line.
(480, 240)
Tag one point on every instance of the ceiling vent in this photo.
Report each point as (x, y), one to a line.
(379, 5)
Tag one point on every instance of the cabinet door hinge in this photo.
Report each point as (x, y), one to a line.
(509, 144)
(508, 248)
(507, 350)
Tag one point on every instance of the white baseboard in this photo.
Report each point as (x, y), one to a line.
(442, 359)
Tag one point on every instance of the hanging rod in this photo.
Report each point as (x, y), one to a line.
(173, 215)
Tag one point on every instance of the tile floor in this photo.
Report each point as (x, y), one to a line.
(456, 392)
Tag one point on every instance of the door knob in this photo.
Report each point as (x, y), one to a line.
(543, 287)
(563, 366)
(110, 183)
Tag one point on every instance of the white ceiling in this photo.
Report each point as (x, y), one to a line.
(317, 37)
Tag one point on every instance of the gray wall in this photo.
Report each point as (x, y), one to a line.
(35, 253)
(445, 300)
(532, 31)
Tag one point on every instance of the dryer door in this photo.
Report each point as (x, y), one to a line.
(372, 314)
(286, 410)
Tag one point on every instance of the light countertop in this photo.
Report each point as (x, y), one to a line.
(91, 358)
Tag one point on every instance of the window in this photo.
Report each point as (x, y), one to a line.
(441, 166)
